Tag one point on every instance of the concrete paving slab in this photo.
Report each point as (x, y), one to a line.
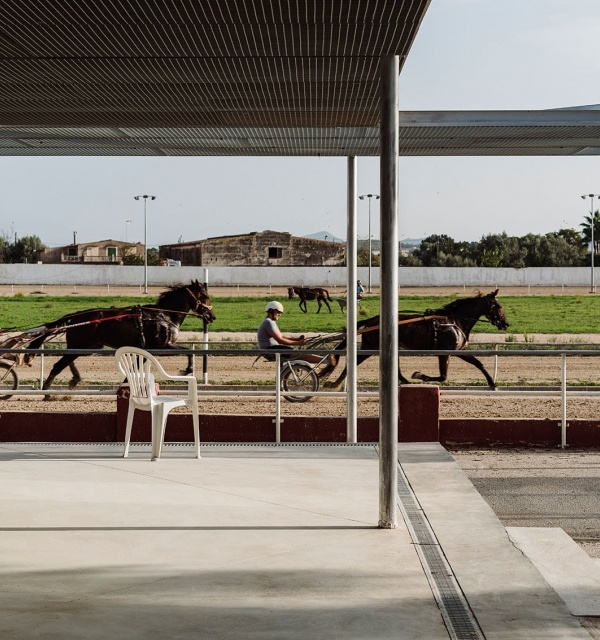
(248, 542)
(251, 541)
(563, 564)
(508, 596)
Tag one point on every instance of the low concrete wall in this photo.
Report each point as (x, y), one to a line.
(419, 409)
(419, 422)
(109, 427)
(115, 275)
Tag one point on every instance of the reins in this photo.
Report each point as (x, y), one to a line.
(25, 336)
(407, 321)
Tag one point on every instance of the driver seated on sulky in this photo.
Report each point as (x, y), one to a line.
(270, 337)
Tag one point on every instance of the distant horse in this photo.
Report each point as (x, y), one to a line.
(151, 326)
(310, 293)
(446, 328)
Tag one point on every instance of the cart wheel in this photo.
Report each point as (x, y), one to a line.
(9, 380)
(298, 375)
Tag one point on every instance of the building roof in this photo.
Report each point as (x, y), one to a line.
(191, 243)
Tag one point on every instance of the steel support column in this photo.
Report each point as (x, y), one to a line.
(388, 341)
(351, 244)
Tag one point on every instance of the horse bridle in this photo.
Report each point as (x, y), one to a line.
(199, 305)
(496, 317)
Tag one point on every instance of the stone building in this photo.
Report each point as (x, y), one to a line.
(100, 252)
(257, 249)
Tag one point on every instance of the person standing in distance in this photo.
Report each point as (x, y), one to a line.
(359, 290)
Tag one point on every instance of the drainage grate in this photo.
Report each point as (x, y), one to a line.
(455, 610)
(285, 445)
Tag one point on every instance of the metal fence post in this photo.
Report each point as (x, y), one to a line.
(563, 401)
(278, 398)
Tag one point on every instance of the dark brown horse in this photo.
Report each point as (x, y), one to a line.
(310, 293)
(446, 328)
(151, 326)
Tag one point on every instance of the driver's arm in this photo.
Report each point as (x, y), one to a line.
(281, 339)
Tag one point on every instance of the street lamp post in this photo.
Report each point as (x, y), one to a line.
(591, 196)
(369, 195)
(145, 239)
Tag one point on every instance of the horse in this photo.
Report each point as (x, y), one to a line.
(151, 326)
(310, 293)
(446, 328)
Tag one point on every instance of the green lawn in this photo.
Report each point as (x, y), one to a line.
(526, 315)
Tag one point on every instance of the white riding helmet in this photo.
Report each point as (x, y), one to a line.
(274, 306)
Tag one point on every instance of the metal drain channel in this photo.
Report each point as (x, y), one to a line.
(455, 610)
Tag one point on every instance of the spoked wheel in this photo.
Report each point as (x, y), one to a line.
(297, 375)
(9, 380)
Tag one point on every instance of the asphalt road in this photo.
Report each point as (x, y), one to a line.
(540, 488)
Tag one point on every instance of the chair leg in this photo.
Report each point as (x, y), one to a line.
(196, 422)
(129, 424)
(159, 421)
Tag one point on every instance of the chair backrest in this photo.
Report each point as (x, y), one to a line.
(136, 364)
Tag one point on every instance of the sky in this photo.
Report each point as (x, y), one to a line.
(468, 54)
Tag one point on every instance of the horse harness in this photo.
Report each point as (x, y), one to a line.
(436, 325)
(459, 334)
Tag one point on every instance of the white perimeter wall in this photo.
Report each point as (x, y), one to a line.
(114, 275)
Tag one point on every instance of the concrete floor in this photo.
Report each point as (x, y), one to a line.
(257, 541)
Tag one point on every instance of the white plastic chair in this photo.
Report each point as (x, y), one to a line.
(136, 364)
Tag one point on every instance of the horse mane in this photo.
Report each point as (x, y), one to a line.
(457, 305)
(173, 290)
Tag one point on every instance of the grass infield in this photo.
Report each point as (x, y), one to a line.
(526, 315)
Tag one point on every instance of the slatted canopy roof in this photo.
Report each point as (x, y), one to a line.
(196, 77)
(234, 78)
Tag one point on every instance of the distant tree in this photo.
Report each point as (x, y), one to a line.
(5, 249)
(409, 260)
(554, 250)
(572, 237)
(25, 249)
(563, 248)
(153, 258)
(362, 257)
(134, 260)
(500, 250)
(435, 249)
(586, 231)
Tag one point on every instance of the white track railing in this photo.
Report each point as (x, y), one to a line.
(204, 389)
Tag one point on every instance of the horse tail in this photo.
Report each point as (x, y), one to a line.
(328, 296)
(41, 334)
(342, 345)
(36, 344)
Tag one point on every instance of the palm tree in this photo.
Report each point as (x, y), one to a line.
(586, 232)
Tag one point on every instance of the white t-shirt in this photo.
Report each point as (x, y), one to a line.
(265, 334)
